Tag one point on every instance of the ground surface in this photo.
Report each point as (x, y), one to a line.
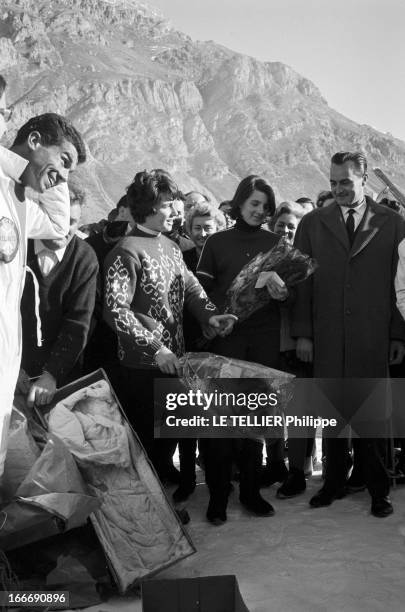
(337, 559)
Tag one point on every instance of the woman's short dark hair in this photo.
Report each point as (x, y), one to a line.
(122, 202)
(54, 129)
(245, 189)
(144, 192)
(322, 197)
(305, 200)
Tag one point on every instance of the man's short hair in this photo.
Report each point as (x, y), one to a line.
(54, 129)
(205, 210)
(145, 190)
(3, 85)
(245, 189)
(358, 159)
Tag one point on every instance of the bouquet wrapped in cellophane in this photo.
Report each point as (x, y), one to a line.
(232, 380)
(247, 293)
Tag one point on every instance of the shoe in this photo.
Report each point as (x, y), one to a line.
(294, 485)
(276, 472)
(257, 505)
(381, 507)
(325, 497)
(216, 513)
(183, 492)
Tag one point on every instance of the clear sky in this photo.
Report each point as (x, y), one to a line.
(353, 50)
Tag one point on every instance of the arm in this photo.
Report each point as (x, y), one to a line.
(397, 327)
(72, 335)
(196, 300)
(205, 312)
(121, 274)
(51, 216)
(399, 299)
(74, 330)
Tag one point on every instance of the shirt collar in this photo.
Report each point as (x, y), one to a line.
(146, 230)
(359, 208)
(39, 247)
(11, 164)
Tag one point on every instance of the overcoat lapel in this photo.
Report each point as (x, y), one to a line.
(374, 218)
(333, 219)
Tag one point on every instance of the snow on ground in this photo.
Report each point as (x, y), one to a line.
(335, 559)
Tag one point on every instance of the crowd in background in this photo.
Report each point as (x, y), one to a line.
(150, 282)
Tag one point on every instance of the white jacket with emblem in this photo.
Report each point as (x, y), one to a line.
(20, 218)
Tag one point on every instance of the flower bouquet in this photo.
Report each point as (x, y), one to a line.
(247, 293)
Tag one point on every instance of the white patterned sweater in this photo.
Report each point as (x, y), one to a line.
(146, 286)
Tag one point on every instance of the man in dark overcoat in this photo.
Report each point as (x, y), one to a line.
(345, 316)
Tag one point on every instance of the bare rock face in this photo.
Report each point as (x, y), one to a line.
(144, 95)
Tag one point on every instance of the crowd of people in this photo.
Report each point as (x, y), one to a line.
(150, 283)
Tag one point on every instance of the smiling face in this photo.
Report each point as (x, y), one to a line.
(286, 225)
(48, 165)
(201, 228)
(166, 213)
(254, 210)
(347, 184)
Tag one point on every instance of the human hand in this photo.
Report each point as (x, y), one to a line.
(223, 324)
(209, 332)
(23, 382)
(42, 390)
(305, 350)
(167, 361)
(397, 352)
(274, 285)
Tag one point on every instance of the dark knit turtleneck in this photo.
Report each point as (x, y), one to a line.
(225, 254)
(246, 227)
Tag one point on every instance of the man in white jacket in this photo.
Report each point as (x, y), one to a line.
(44, 151)
(400, 279)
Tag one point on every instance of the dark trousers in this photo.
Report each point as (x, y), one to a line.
(370, 456)
(218, 455)
(187, 457)
(136, 395)
(249, 344)
(301, 441)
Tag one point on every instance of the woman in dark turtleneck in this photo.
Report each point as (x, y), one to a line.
(256, 339)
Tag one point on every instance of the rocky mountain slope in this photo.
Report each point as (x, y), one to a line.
(145, 95)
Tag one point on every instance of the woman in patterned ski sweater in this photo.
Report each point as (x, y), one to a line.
(146, 286)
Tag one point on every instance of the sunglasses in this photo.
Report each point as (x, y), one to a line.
(7, 113)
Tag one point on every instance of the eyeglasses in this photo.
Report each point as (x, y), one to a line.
(7, 113)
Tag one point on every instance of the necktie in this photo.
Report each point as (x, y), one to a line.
(350, 225)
